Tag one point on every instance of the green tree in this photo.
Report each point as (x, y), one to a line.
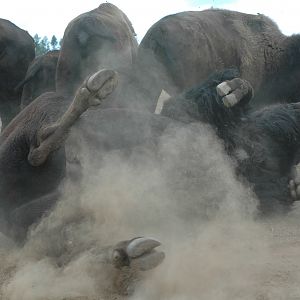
(38, 47)
(54, 42)
(36, 39)
(43, 45)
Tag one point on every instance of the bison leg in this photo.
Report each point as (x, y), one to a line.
(91, 93)
(235, 91)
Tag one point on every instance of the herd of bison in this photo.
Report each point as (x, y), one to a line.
(233, 71)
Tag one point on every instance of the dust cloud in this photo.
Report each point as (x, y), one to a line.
(181, 191)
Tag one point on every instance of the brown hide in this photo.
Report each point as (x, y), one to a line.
(16, 53)
(101, 38)
(183, 49)
(40, 77)
(85, 37)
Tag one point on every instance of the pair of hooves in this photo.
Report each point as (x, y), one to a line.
(96, 88)
(235, 91)
(130, 259)
(102, 83)
(139, 253)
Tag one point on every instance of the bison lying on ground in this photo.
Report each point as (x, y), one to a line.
(264, 143)
(33, 158)
(32, 164)
(91, 37)
(32, 153)
(183, 49)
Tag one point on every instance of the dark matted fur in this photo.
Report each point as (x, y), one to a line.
(264, 143)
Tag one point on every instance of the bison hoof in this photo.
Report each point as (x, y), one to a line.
(129, 258)
(96, 88)
(138, 253)
(294, 183)
(234, 91)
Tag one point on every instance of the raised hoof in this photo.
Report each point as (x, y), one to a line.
(294, 184)
(96, 88)
(223, 89)
(102, 83)
(138, 253)
(234, 91)
(91, 93)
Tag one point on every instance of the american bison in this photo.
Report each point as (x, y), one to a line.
(32, 165)
(33, 160)
(183, 49)
(263, 142)
(101, 38)
(95, 34)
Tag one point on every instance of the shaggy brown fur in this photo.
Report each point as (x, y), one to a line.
(101, 38)
(183, 49)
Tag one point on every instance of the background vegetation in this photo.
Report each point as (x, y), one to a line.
(43, 45)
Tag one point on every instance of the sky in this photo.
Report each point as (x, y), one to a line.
(47, 18)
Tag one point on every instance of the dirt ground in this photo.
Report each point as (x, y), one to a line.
(273, 274)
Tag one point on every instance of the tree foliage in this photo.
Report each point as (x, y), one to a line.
(43, 45)
(54, 42)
